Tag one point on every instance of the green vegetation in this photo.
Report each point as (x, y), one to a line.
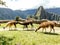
(31, 38)
(17, 18)
(24, 37)
(33, 13)
(2, 3)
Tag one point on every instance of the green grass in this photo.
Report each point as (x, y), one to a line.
(18, 25)
(32, 38)
(29, 37)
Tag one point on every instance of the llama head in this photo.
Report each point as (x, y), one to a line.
(3, 27)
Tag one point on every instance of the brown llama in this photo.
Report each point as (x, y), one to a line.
(44, 25)
(26, 24)
(10, 24)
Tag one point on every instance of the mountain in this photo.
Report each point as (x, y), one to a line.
(54, 10)
(25, 13)
(41, 13)
(6, 13)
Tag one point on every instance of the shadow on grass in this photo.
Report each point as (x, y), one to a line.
(50, 33)
(13, 30)
(29, 30)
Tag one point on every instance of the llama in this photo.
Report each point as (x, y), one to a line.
(10, 24)
(45, 25)
(26, 24)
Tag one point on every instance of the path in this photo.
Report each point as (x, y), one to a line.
(57, 29)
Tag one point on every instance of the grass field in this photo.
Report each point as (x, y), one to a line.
(22, 37)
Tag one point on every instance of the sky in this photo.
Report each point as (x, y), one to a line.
(31, 4)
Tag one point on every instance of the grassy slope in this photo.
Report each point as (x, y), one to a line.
(32, 38)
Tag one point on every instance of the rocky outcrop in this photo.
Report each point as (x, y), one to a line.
(41, 13)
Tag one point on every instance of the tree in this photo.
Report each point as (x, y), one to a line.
(17, 18)
(3, 3)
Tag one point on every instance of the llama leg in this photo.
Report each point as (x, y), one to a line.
(53, 29)
(27, 27)
(23, 27)
(42, 29)
(45, 29)
(50, 29)
(31, 25)
(37, 29)
(15, 26)
(9, 27)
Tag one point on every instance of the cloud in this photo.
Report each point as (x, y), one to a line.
(53, 3)
(31, 4)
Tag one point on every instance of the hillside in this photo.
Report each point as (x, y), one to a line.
(6, 13)
(54, 10)
(50, 14)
